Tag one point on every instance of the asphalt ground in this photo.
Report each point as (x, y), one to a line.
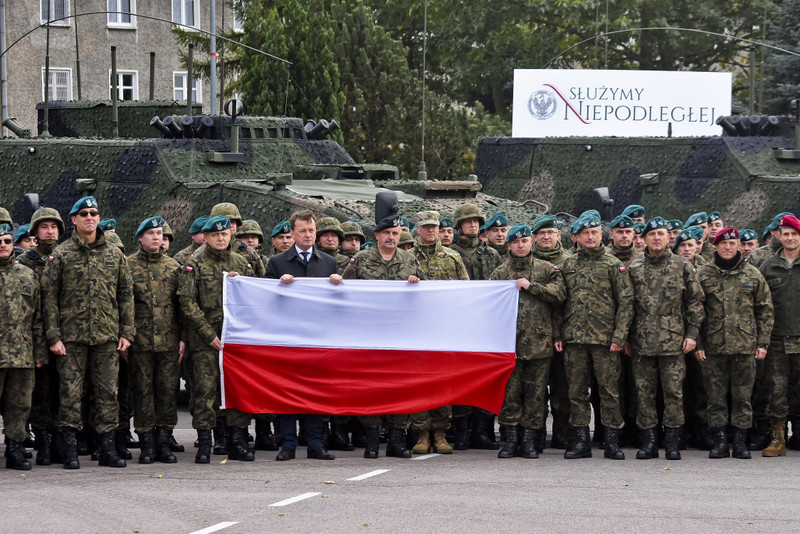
(468, 491)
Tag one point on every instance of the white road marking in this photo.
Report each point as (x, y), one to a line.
(214, 528)
(296, 499)
(370, 474)
(425, 456)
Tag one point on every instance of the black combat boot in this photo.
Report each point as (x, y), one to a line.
(649, 448)
(793, 443)
(504, 433)
(371, 447)
(163, 452)
(122, 438)
(672, 437)
(557, 440)
(69, 449)
(108, 451)
(30, 439)
(237, 445)
(15, 456)
(174, 446)
(265, 439)
(463, 431)
(483, 433)
(739, 446)
(511, 445)
(527, 443)
(147, 447)
(203, 455)
(130, 443)
(56, 445)
(396, 446)
(582, 448)
(84, 448)
(611, 440)
(539, 440)
(220, 439)
(720, 447)
(339, 440)
(43, 456)
(759, 435)
(383, 432)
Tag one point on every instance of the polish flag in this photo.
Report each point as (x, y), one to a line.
(366, 346)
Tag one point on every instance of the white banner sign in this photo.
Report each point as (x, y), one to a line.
(625, 103)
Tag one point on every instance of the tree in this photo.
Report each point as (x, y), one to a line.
(782, 83)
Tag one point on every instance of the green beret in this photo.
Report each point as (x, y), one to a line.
(217, 224)
(634, 211)
(368, 245)
(518, 231)
(445, 222)
(714, 216)
(498, 220)
(545, 221)
(621, 221)
(149, 224)
(776, 221)
(403, 221)
(5, 229)
(656, 223)
(674, 224)
(685, 235)
(85, 202)
(695, 231)
(197, 225)
(22, 232)
(638, 226)
(594, 214)
(107, 224)
(698, 218)
(283, 227)
(584, 222)
(747, 235)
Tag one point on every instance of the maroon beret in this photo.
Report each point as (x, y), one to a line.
(726, 233)
(790, 221)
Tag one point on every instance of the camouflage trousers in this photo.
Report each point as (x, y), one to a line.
(44, 403)
(579, 361)
(648, 372)
(559, 395)
(460, 410)
(734, 375)
(783, 374)
(155, 379)
(205, 401)
(124, 396)
(432, 420)
(100, 365)
(394, 421)
(526, 393)
(694, 390)
(16, 388)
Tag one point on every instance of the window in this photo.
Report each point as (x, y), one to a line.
(179, 88)
(119, 12)
(185, 12)
(60, 86)
(127, 85)
(58, 10)
(238, 21)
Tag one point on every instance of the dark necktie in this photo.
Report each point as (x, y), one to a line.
(305, 257)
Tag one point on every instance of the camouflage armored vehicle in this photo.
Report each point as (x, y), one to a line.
(178, 166)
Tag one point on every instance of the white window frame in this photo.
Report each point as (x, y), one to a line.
(180, 18)
(51, 86)
(43, 13)
(120, 89)
(114, 5)
(197, 87)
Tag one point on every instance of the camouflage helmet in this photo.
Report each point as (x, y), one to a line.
(405, 239)
(5, 217)
(166, 231)
(250, 227)
(466, 212)
(226, 209)
(46, 214)
(352, 228)
(330, 224)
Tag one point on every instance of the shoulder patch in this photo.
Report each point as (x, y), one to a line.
(189, 268)
(622, 268)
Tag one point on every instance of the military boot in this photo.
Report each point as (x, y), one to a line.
(463, 431)
(340, 440)
(504, 433)
(163, 452)
(237, 445)
(83, 448)
(672, 437)
(203, 455)
(612, 449)
(371, 447)
(557, 441)
(440, 445)
(147, 447)
(15, 456)
(43, 456)
(649, 448)
(792, 444)
(30, 439)
(582, 448)
(69, 449)
(396, 446)
(108, 451)
(483, 433)
(174, 446)
(758, 437)
(740, 450)
(56, 445)
(511, 445)
(423, 445)
(265, 439)
(121, 439)
(777, 445)
(220, 439)
(527, 445)
(720, 447)
(539, 440)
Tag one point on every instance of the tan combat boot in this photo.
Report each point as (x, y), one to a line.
(440, 444)
(777, 445)
(423, 444)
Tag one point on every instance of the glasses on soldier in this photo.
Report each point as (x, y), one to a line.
(88, 213)
(6, 241)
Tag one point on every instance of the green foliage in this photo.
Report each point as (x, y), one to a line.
(782, 83)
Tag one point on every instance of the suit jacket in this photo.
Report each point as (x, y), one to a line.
(320, 265)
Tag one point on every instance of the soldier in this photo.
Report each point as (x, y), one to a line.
(622, 234)
(282, 239)
(638, 241)
(668, 313)
(541, 286)
(200, 295)
(156, 352)
(406, 241)
(21, 347)
(707, 248)
(438, 263)
(739, 319)
(635, 212)
(674, 226)
(715, 224)
(88, 318)
(496, 229)
(329, 235)
(748, 242)
(168, 237)
(446, 233)
(759, 255)
(594, 328)
(353, 238)
(231, 212)
(198, 238)
(108, 225)
(251, 235)
(385, 262)
(23, 238)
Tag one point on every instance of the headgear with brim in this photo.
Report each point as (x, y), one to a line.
(387, 211)
(427, 217)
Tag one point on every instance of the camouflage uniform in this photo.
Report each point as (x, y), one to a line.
(342, 261)
(183, 255)
(708, 251)
(761, 254)
(249, 253)
(626, 255)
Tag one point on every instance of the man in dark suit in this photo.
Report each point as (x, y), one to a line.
(302, 260)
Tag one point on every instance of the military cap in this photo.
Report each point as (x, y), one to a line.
(583, 223)
(655, 223)
(698, 218)
(545, 221)
(387, 211)
(150, 223)
(498, 220)
(5, 229)
(594, 214)
(732, 233)
(197, 225)
(776, 221)
(404, 221)
(714, 216)
(250, 227)
(352, 228)
(621, 221)
(5, 217)
(446, 222)
(638, 226)
(406, 239)
(367, 245)
(22, 232)
(466, 212)
(226, 209)
(46, 214)
(217, 223)
(634, 211)
(85, 202)
(695, 231)
(685, 235)
(674, 224)
(428, 217)
(747, 235)
(789, 221)
(518, 231)
(330, 224)
(167, 231)
(283, 227)
(107, 224)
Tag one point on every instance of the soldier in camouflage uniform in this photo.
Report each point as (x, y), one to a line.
(155, 354)
(715, 224)
(480, 260)
(353, 239)
(438, 263)
(674, 226)
(668, 313)
(748, 240)
(736, 333)
(707, 247)
(496, 229)
(385, 262)
(251, 235)
(634, 212)
(200, 295)
(594, 328)
(541, 286)
(88, 318)
(446, 233)
(198, 238)
(329, 236)
(759, 255)
(621, 246)
(231, 212)
(21, 347)
(24, 239)
(282, 239)
(638, 241)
